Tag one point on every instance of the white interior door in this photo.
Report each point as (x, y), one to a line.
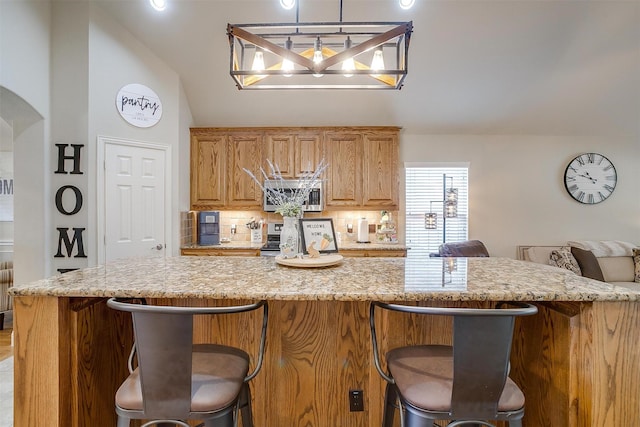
(135, 205)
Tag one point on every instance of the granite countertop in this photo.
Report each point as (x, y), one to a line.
(342, 246)
(233, 244)
(352, 279)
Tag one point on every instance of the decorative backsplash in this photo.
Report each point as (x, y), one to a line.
(341, 222)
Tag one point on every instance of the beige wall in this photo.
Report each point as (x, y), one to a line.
(516, 189)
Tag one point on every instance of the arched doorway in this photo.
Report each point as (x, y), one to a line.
(25, 128)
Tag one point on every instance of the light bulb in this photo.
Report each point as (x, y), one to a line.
(407, 4)
(258, 61)
(287, 4)
(158, 5)
(377, 63)
(287, 65)
(317, 54)
(348, 64)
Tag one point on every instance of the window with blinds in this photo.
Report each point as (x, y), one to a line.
(425, 192)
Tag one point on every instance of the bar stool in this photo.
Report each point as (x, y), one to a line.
(467, 382)
(176, 380)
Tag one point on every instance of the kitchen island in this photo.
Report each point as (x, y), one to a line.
(577, 360)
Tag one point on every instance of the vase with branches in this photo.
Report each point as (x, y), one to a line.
(288, 201)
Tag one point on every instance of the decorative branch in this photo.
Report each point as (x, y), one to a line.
(288, 203)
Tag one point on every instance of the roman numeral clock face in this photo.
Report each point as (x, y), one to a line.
(590, 178)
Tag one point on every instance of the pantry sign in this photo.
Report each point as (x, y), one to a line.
(139, 105)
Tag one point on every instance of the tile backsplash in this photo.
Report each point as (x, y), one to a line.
(341, 222)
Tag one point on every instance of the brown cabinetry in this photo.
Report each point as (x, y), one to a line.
(362, 174)
(363, 169)
(296, 153)
(209, 251)
(218, 157)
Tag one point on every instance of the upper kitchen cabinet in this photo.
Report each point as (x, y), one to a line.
(363, 168)
(381, 181)
(344, 174)
(218, 159)
(295, 152)
(245, 152)
(208, 169)
(307, 152)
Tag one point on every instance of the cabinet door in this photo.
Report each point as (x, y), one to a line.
(244, 152)
(279, 150)
(208, 165)
(344, 174)
(308, 152)
(380, 177)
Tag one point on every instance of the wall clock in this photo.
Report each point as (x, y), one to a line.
(590, 178)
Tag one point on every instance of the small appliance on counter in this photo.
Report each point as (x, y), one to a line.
(272, 247)
(288, 187)
(209, 228)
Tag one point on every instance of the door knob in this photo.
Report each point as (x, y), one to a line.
(159, 246)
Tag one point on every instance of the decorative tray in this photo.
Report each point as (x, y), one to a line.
(306, 262)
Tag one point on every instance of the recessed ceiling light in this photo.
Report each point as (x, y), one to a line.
(407, 4)
(158, 5)
(287, 4)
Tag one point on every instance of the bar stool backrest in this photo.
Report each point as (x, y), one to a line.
(164, 351)
(481, 351)
(164, 348)
(482, 341)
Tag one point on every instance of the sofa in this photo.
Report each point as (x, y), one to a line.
(6, 281)
(610, 261)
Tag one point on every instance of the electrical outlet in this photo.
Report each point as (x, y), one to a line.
(356, 400)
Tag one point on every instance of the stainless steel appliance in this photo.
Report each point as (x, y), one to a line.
(272, 247)
(314, 203)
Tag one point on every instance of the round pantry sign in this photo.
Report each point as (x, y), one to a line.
(139, 105)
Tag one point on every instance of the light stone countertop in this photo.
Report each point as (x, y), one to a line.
(234, 244)
(353, 279)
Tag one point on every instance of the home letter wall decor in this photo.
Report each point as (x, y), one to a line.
(64, 240)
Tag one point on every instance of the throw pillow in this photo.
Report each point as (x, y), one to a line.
(563, 258)
(636, 263)
(588, 263)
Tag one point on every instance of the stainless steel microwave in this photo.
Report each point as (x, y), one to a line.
(314, 202)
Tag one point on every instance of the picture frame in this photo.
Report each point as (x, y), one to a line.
(320, 233)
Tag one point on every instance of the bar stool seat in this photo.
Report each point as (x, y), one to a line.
(218, 375)
(467, 382)
(424, 376)
(176, 380)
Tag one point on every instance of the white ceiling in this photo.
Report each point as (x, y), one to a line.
(542, 67)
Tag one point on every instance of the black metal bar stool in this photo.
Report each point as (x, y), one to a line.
(466, 383)
(176, 380)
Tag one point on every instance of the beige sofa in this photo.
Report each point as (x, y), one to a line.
(614, 258)
(6, 281)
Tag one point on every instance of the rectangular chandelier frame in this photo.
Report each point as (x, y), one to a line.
(337, 41)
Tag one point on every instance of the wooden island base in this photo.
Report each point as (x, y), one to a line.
(577, 362)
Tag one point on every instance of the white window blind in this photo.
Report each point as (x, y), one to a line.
(424, 193)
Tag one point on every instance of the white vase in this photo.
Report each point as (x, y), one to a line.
(289, 237)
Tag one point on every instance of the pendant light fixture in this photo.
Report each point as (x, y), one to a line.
(287, 65)
(348, 65)
(319, 55)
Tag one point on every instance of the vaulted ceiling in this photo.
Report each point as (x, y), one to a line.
(544, 67)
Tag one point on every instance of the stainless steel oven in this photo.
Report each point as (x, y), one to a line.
(272, 247)
(314, 202)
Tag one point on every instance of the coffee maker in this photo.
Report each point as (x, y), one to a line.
(209, 228)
